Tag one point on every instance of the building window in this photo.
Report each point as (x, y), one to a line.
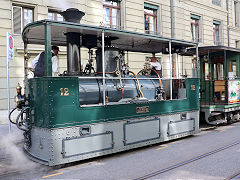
(216, 33)
(237, 13)
(150, 18)
(111, 14)
(195, 29)
(216, 2)
(55, 16)
(21, 17)
(237, 44)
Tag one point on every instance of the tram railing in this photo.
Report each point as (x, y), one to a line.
(177, 92)
(216, 92)
(213, 92)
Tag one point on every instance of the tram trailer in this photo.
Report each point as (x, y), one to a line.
(81, 115)
(219, 84)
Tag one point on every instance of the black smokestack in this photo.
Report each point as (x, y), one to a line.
(72, 15)
(73, 42)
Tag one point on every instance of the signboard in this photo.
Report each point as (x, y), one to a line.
(233, 91)
(10, 55)
(10, 46)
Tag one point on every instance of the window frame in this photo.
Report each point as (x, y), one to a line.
(55, 15)
(195, 26)
(22, 17)
(217, 29)
(118, 7)
(236, 13)
(237, 44)
(154, 15)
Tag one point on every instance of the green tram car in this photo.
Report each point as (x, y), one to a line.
(97, 111)
(219, 84)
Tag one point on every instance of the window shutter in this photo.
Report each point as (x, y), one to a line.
(17, 20)
(150, 6)
(193, 16)
(216, 22)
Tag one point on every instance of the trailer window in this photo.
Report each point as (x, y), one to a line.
(207, 72)
(218, 71)
(233, 68)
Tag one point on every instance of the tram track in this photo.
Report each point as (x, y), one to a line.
(8, 173)
(191, 161)
(235, 176)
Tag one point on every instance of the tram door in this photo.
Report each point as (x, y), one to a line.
(219, 79)
(206, 81)
(212, 80)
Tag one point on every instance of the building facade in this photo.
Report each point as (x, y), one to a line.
(208, 22)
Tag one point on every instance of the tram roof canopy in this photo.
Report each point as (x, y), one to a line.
(34, 33)
(209, 49)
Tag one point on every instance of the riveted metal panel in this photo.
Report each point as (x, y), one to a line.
(40, 144)
(182, 126)
(87, 144)
(49, 148)
(141, 131)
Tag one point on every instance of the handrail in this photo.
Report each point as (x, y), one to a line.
(137, 83)
(139, 78)
(158, 78)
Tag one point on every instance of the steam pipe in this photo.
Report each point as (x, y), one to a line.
(17, 120)
(138, 84)
(10, 114)
(160, 81)
(103, 70)
(170, 57)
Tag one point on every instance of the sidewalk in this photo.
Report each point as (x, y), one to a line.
(12, 157)
(4, 116)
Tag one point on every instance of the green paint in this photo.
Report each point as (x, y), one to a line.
(51, 110)
(207, 86)
(48, 54)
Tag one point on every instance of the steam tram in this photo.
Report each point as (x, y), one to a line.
(220, 84)
(104, 108)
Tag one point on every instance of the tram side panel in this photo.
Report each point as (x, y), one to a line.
(64, 132)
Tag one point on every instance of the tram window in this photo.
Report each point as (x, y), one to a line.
(207, 72)
(218, 71)
(221, 74)
(233, 68)
(215, 72)
(179, 89)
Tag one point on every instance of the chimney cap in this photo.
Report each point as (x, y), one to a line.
(72, 15)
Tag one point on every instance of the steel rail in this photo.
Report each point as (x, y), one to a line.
(8, 173)
(235, 176)
(188, 161)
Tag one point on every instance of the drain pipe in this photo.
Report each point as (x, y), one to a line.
(172, 24)
(228, 30)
